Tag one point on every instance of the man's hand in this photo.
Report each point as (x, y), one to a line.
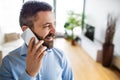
(34, 57)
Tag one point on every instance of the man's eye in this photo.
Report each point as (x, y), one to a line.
(47, 25)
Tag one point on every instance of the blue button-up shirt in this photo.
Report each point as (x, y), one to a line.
(55, 66)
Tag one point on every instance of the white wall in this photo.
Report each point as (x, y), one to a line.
(96, 15)
(1, 37)
(9, 15)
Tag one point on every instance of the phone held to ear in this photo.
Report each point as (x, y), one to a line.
(27, 35)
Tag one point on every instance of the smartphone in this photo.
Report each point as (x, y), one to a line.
(27, 35)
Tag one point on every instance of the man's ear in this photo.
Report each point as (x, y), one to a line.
(24, 28)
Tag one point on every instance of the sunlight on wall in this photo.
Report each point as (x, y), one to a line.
(62, 8)
(48, 1)
(9, 15)
(10, 9)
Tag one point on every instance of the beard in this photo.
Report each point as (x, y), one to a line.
(47, 43)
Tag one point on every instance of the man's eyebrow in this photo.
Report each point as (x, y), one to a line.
(47, 23)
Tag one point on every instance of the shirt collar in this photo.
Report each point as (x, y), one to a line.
(24, 50)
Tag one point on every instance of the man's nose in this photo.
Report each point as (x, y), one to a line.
(53, 29)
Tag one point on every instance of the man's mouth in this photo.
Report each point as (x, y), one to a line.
(50, 37)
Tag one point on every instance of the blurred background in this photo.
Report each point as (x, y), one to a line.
(87, 19)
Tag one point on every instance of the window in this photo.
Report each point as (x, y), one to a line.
(10, 10)
(48, 1)
(9, 15)
(62, 8)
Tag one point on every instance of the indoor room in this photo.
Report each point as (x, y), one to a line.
(87, 31)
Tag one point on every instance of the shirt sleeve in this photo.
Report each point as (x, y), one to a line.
(25, 76)
(67, 70)
(6, 72)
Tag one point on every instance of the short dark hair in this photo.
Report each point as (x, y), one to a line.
(29, 12)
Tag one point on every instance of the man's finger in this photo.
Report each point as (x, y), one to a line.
(40, 51)
(37, 46)
(42, 55)
(31, 43)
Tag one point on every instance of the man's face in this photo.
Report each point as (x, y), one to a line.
(44, 27)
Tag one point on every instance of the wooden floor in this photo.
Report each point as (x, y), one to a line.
(84, 67)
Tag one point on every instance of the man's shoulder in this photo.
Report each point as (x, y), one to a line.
(61, 56)
(13, 54)
(58, 52)
(15, 51)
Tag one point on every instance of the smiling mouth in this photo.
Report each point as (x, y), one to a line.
(50, 37)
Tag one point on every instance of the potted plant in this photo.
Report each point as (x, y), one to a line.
(74, 20)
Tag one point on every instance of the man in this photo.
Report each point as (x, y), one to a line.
(37, 61)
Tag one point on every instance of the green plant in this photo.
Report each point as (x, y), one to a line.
(74, 20)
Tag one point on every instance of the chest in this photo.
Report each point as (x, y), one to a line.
(51, 68)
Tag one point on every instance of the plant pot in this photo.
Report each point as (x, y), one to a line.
(108, 50)
(73, 42)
